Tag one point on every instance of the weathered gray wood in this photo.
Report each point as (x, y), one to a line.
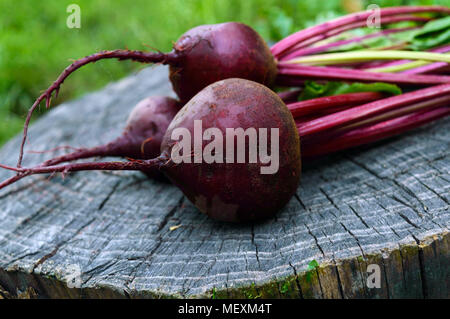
(388, 205)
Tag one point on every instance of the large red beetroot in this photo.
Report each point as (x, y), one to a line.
(228, 191)
(238, 191)
(210, 53)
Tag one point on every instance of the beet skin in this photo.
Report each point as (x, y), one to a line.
(210, 53)
(237, 192)
(146, 127)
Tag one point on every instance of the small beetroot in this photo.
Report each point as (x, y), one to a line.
(142, 136)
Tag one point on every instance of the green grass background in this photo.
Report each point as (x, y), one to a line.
(36, 45)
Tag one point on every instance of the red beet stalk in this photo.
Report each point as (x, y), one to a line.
(306, 44)
(318, 105)
(426, 104)
(317, 30)
(328, 46)
(371, 109)
(289, 96)
(304, 48)
(374, 132)
(291, 74)
(416, 107)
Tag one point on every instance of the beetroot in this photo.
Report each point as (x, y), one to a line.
(237, 191)
(211, 53)
(142, 136)
(229, 191)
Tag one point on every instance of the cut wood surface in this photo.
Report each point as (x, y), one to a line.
(119, 234)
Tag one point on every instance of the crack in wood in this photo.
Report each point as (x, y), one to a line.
(422, 268)
(356, 238)
(297, 282)
(315, 240)
(108, 196)
(254, 244)
(408, 220)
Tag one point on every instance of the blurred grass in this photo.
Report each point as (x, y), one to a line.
(36, 45)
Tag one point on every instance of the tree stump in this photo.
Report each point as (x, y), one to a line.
(379, 210)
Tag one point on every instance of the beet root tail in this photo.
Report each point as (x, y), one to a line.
(11, 180)
(110, 149)
(133, 165)
(139, 56)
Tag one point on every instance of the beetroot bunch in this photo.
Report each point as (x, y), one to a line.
(341, 91)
